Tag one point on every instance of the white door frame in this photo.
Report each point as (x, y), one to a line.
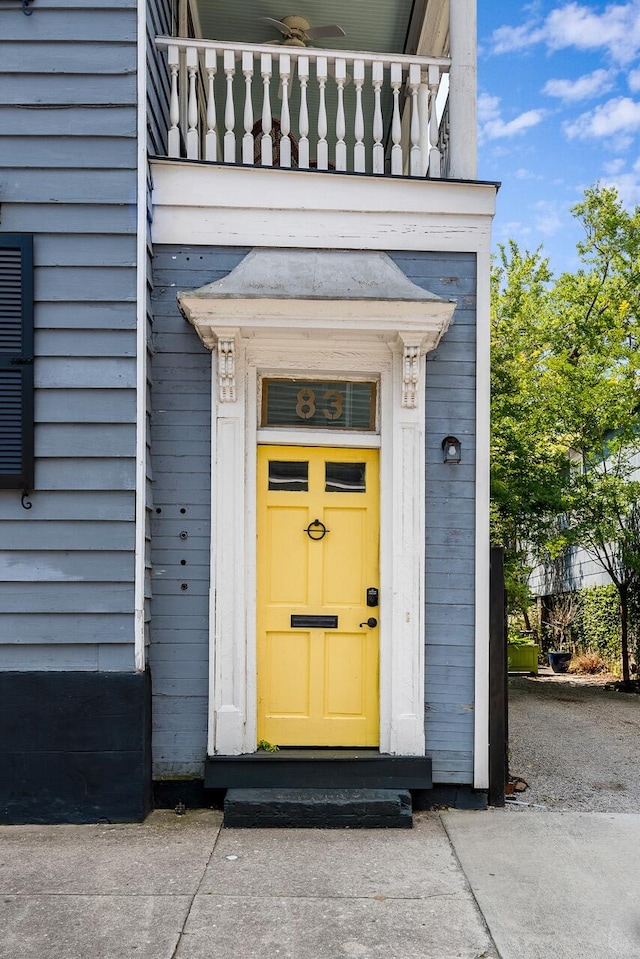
(235, 435)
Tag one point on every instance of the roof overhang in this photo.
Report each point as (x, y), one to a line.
(342, 293)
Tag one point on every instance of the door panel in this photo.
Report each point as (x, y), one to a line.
(317, 686)
(343, 580)
(288, 584)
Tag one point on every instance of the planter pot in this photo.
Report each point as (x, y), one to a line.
(559, 661)
(523, 657)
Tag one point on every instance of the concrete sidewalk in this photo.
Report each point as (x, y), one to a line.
(549, 884)
(183, 887)
(553, 885)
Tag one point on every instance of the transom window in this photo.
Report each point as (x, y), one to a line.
(319, 404)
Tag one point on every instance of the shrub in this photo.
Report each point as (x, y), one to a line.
(598, 622)
(589, 663)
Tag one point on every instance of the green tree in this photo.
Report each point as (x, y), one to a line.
(527, 461)
(592, 379)
(566, 377)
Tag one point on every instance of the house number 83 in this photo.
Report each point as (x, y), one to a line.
(306, 405)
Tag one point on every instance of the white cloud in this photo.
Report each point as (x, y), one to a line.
(589, 85)
(627, 185)
(510, 229)
(494, 127)
(613, 167)
(488, 107)
(620, 116)
(616, 30)
(523, 174)
(508, 39)
(547, 218)
(633, 80)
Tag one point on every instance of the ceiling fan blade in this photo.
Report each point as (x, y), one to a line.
(332, 30)
(282, 27)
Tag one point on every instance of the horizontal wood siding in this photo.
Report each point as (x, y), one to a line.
(450, 519)
(159, 24)
(181, 469)
(68, 155)
(181, 460)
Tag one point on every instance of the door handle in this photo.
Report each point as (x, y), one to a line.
(371, 623)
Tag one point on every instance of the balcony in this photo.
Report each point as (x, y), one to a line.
(259, 105)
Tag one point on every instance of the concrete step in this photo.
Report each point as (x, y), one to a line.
(319, 808)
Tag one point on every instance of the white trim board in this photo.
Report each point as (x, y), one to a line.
(217, 205)
(482, 547)
(141, 346)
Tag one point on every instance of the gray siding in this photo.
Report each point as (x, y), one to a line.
(68, 154)
(181, 469)
(159, 24)
(450, 519)
(181, 458)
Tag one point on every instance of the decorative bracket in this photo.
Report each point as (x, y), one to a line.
(410, 376)
(226, 346)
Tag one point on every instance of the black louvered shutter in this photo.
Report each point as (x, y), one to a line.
(16, 361)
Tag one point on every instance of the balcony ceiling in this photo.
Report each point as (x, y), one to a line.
(386, 26)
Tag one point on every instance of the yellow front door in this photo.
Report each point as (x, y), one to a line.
(317, 657)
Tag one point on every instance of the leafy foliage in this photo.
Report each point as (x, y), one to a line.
(566, 378)
(598, 621)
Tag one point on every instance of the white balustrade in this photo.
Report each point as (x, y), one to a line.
(247, 140)
(211, 139)
(368, 112)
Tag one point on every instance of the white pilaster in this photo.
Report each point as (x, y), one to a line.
(227, 667)
(405, 726)
(463, 93)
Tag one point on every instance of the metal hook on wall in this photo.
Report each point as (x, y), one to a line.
(27, 12)
(24, 502)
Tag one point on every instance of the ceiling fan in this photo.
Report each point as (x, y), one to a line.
(296, 31)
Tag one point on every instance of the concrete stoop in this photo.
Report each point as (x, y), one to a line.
(319, 808)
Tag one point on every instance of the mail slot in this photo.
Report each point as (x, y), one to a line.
(314, 622)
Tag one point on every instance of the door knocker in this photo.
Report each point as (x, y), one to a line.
(316, 530)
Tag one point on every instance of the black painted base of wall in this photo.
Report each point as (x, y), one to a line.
(192, 793)
(449, 797)
(319, 769)
(75, 747)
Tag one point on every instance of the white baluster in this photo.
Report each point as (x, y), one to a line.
(423, 107)
(193, 137)
(267, 142)
(173, 136)
(415, 156)
(396, 124)
(341, 126)
(303, 122)
(211, 140)
(377, 76)
(358, 128)
(229, 110)
(285, 118)
(323, 147)
(435, 157)
(247, 139)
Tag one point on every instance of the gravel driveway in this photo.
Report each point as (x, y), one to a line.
(575, 743)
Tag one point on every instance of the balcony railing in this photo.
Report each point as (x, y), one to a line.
(262, 105)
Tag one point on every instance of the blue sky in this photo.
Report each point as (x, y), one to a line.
(558, 110)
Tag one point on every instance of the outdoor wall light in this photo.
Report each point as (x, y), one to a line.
(451, 450)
